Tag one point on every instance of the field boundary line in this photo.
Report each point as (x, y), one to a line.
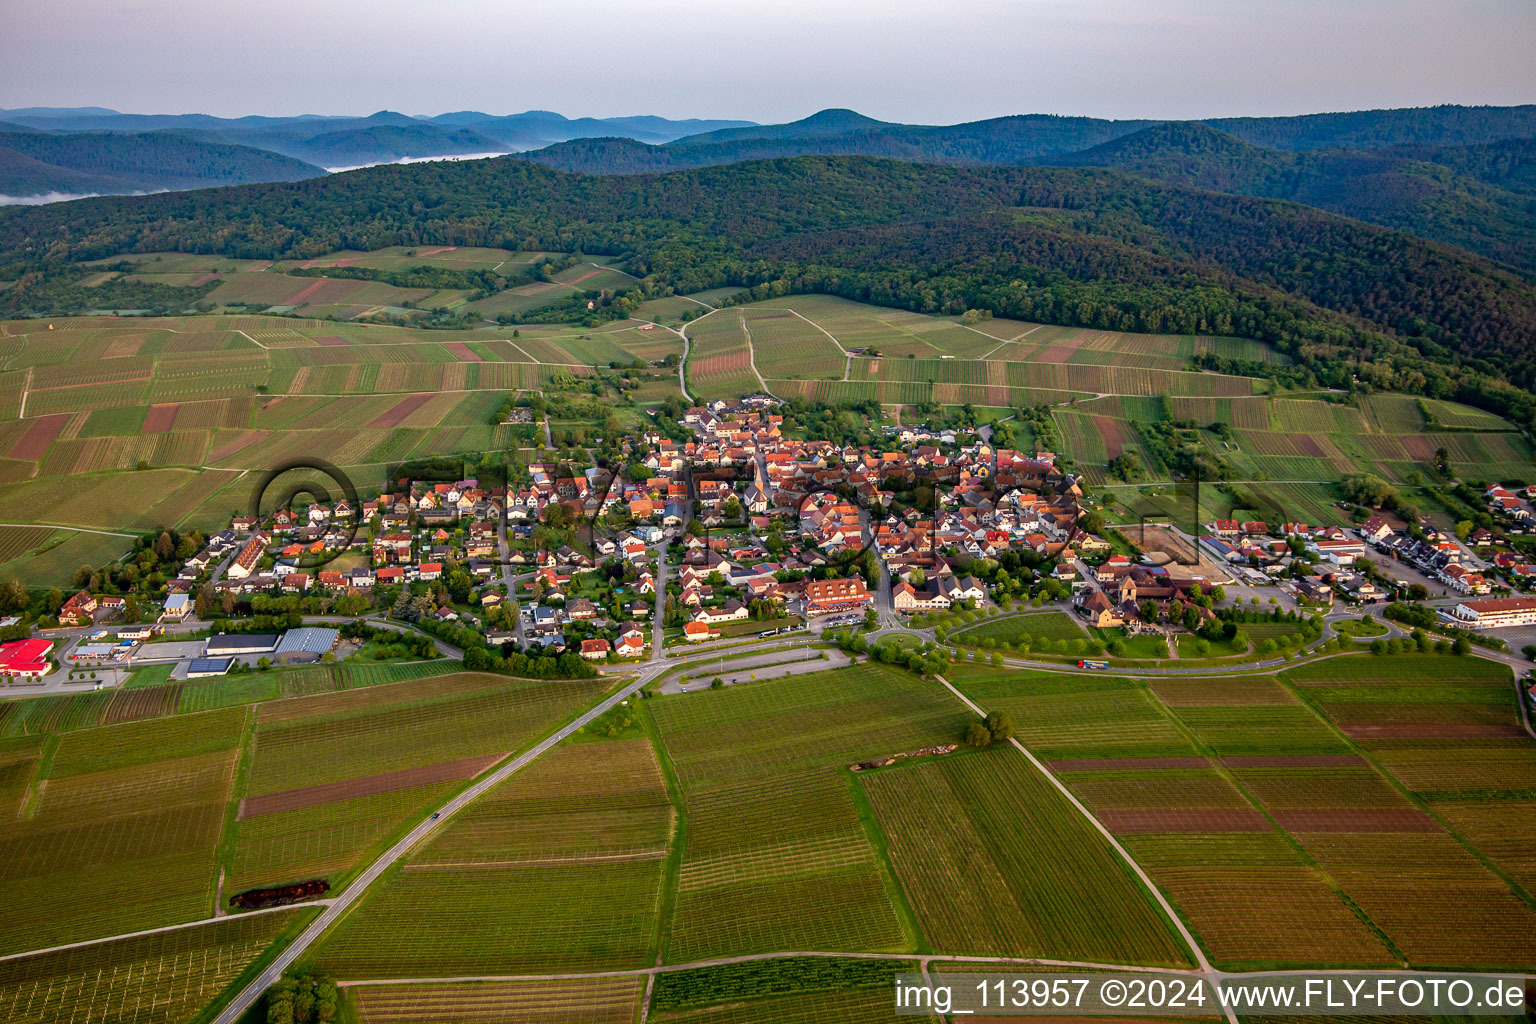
(77, 529)
(818, 326)
(165, 928)
(1146, 880)
(752, 356)
(26, 388)
(234, 330)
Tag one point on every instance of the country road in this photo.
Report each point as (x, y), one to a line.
(343, 902)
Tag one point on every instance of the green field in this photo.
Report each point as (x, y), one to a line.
(1013, 866)
(1322, 816)
(559, 868)
(1038, 628)
(131, 425)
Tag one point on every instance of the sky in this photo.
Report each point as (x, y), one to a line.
(898, 60)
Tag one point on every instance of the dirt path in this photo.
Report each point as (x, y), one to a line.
(157, 931)
(752, 355)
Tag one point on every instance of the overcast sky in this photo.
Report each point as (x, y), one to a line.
(773, 60)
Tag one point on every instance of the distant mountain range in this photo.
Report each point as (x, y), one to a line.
(1464, 176)
(181, 151)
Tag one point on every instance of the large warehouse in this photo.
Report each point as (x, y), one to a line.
(305, 644)
(226, 644)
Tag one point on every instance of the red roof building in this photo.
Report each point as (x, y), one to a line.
(836, 595)
(25, 657)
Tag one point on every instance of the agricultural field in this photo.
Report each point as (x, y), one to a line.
(1013, 866)
(791, 345)
(572, 1001)
(558, 868)
(1328, 815)
(164, 414)
(1073, 715)
(165, 978)
(720, 355)
(119, 826)
(775, 856)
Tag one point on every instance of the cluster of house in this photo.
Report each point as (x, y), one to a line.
(1437, 555)
(987, 501)
(550, 611)
(1511, 506)
(417, 531)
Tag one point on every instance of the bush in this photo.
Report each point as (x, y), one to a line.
(978, 735)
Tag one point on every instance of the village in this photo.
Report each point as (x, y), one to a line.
(742, 532)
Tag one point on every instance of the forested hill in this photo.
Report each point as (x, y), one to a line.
(1067, 245)
(108, 161)
(1410, 188)
(1460, 175)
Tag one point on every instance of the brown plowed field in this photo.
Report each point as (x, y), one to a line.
(369, 785)
(331, 341)
(1114, 442)
(1054, 354)
(400, 410)
(1433, 730)
(34, 443)
(1356, 819)
(1186, 819)
(1294, 761)
(464, 352)
(160, 418)
(1116, 763)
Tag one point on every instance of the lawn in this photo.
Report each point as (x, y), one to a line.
(1360, 627)
(1014, 629)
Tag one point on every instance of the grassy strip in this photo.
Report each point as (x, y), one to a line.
(875, 836)
(672, 868)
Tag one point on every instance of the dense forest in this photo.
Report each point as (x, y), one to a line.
(1449, 174)
(1092, 247)
(1409, 188)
